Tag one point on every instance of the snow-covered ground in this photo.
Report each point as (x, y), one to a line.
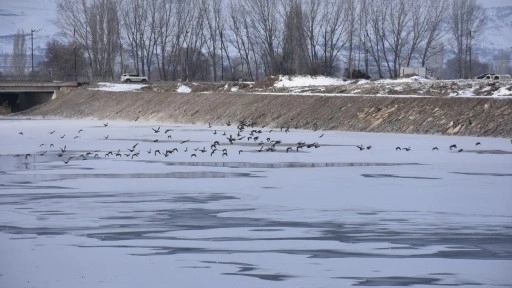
(329, 86)
(118, 87)
(324, 215)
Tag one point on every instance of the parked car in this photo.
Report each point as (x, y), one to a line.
(492, 76)
(128, 77)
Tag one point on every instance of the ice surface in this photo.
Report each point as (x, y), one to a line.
(331, 216)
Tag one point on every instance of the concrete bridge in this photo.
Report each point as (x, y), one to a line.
(19, 96)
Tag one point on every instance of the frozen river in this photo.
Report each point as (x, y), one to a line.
(127, 204)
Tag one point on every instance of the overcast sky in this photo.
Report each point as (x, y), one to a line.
(495, 3)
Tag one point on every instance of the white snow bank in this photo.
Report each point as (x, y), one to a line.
(118, 87)
(503, 91)
(306, 80)
(404, 80)
(183, 89)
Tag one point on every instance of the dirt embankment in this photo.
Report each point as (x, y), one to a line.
(477, 116)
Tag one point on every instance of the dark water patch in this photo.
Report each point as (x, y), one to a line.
(268, 277)
(176, 175)
(229, 263)
(203, 199)
(483, 174)
(396, 176)
(492, 152)
(392, 281)
(267, 230)
(28, 186)
(56, 214)
(287, 164)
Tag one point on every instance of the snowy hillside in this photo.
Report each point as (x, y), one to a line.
(499, 28)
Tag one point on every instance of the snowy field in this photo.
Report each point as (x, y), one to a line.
(93, 204)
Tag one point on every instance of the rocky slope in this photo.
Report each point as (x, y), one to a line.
(477, 116)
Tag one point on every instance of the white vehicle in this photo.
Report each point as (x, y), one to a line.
(128, 77)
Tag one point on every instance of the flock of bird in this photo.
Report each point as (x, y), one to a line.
(245, 135)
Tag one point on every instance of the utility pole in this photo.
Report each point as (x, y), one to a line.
(32, 48)
(221, 58)
(470, 56)
(74, 49)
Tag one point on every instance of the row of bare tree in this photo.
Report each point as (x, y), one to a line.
(232, 39)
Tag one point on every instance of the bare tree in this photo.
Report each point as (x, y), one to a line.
(213, 14)
(333, 34)
(264, 21)
(165, 30)
(312, 27)
(467, 24)
(436, 11)
(140, 24)
(243, 41)
(94, 24)
(294, 53)
(19, 54)
(58, 57)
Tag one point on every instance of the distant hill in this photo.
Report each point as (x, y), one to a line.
(499, 28)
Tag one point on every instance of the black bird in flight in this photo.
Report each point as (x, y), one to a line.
(478, 143)
(435, 148)
(157, 130)
(67, 161)
(361, 147)
(105, 124)
(453, 146)
(21, 133)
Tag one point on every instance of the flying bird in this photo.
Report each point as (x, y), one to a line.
(67, 161)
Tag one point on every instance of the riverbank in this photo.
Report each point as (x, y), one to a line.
(470, 116)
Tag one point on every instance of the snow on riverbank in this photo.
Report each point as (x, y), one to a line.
(118, 87)
(306, 80)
